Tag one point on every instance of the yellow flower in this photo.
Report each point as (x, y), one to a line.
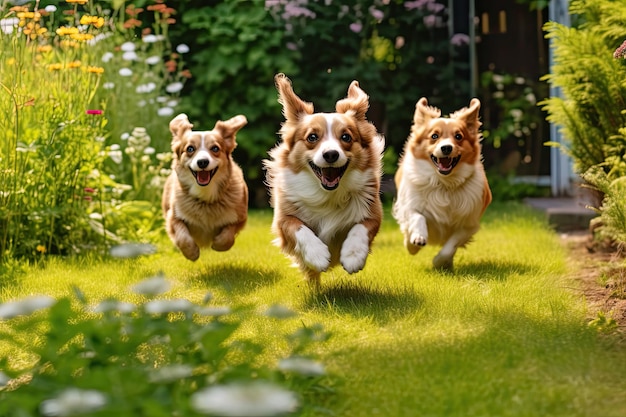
(44, 48)
(69, 44)
(41, 249)
(95, 70)
(74, 64)
(92, 20)
(66, 31)
(81, 36)
(77, 1)
(55, 67)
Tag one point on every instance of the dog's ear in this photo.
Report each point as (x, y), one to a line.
(424, 112)
(178, 126)
(471, 116)
(229, 128)
(356, 101)
(293, 106)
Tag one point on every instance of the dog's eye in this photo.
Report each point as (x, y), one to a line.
(434, 136)
(190, 149)
(458, 136)
(312, 138)
(215, 149)
(346, 138)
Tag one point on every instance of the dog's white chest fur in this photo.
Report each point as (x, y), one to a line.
(327, 212)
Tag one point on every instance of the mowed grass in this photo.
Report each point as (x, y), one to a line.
(504, 335)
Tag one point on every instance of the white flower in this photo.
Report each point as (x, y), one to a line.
(150, 38)
(96, 216)
(115, 147)
(152, 286)
(107, 56)
(7, 25)
(213, 311)
(250, 400)
(4, 379)
(165, 111)
(125, 72)
(301, 366)
(170, 373)
(25, 306)
(108, 86)
(168, 306)
(116, 156)
(51, 8)
(149, 150)
(128, 47)
(73, 401)
(279, 312)
(130, 56)
(182, 48)
(162, 99)
(132, 250)
(153, 60)
(125, 136)
(172, 103)
(145, 88)
(174, 87)
(114, 305)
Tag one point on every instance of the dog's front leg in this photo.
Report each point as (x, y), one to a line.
(445, 258)
(356, 247)
(416, 234)
(225, 239)
(179, 233)
(300, 241)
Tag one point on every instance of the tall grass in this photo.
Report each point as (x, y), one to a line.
(504, 335)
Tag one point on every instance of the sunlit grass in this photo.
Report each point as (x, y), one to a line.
(504, 335)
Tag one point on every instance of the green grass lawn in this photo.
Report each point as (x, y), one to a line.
(505, 335)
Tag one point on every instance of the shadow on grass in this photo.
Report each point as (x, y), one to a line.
(364, 300)
(492, 270)
(237, 278)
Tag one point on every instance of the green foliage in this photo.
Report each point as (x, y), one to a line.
(592, 82)
(158, 358)
(399, 51)
(592, 112)
(506, 188)
(237, 48)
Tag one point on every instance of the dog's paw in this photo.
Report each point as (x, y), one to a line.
(313, 252)
(417, 234)
(190, 250)
(355, 249)
(443, 262)
(224, 240)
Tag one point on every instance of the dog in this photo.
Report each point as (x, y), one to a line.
(324, 182)
(442, 189)
(205, 198)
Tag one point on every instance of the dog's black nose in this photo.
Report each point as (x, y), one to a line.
(446, 149)
(331, 156)
(203, 163)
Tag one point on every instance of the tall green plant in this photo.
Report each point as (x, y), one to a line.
(591, 112)
(51, 138)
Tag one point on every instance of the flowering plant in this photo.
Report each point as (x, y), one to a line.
(158, 357)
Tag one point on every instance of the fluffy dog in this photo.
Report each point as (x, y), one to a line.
(324, 182)
(205, 199)
(442, 187)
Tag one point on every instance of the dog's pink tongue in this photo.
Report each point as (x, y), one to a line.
(204, 177)
(331, 177)
(445, 164)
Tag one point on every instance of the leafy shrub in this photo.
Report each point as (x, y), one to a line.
(68, 178)
(162, 357)
(591, 112)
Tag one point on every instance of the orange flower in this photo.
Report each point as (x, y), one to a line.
(55, 67)
(132, 23)
(95, 70)
(77, 1)
(74, 64)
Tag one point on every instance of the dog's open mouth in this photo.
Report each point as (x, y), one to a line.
(203, 178)
(329, 176)
(445, 164)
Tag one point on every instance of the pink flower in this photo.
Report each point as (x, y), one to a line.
(377, 14)
(97, 112)
(459, 39)
(621, 51)
(356, 27)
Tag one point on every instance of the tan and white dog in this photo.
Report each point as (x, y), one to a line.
(205, 199)
(442, 189)
(324, 181)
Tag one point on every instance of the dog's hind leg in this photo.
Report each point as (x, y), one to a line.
(179, 233)
(445, 257)
(225, 239)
